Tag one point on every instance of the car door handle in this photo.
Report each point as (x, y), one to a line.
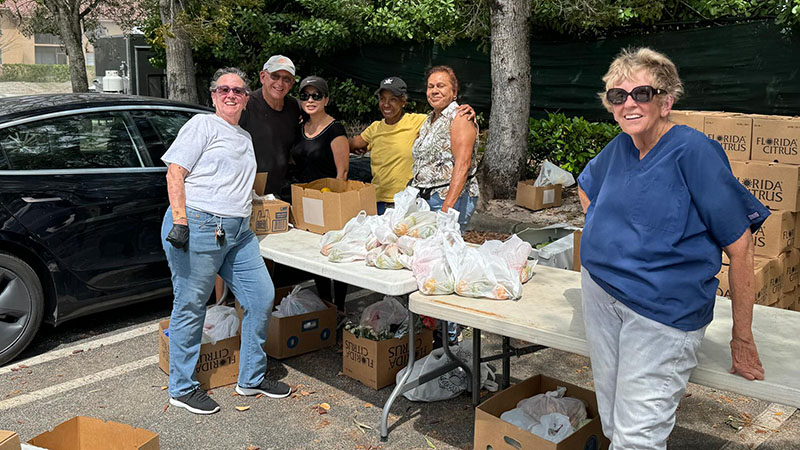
(41, 200)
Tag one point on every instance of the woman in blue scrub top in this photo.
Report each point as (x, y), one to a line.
(661, 205)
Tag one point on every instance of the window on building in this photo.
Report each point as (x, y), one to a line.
(46, 38)
(49, 55)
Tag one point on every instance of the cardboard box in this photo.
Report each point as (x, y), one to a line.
(773, 184)
(295, 335)
(269, 216)
(9, 440)
(86, 433)
(318, 211)
(493, 432)
(537, 197)
(723, 288)
(776, 234)
(795, 306)
(375, 363)
(217, 365)
(767, 279)
(776, 139)
(787, 299)
(790, 264)
(692, 119)
(576, 250)
(733, 133)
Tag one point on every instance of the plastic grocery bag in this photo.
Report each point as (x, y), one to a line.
(418, 224)
(550, 174)
(495, 270)
(519, 418)
(452, 383)
(554, 427)
(299, 301)
(381, 315)
(554, 402)
(222, 322)
(352, 242)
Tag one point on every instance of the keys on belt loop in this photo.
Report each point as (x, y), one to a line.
(219, 232)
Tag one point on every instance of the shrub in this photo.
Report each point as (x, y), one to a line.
(569, 142)
(35, 72)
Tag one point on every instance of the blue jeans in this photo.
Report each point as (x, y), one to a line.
(194, 268)
(382, 207)
(465, 205)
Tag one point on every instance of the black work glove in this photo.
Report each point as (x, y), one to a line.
(178, 236)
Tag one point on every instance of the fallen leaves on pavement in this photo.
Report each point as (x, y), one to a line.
(242, 408)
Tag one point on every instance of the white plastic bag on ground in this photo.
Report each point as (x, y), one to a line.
(299, 301)
(381, 315)
(554, 427)
(222, 322)
(554, 402)
(451, 384)
(550, 174)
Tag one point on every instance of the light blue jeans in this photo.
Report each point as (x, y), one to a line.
(641, 368)
(194, 268)
(465, 205)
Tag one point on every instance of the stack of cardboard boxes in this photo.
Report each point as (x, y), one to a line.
(763, 152)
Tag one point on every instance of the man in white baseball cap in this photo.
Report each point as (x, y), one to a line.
(273, 120)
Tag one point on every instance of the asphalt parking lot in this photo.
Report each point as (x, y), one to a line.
(106, 366)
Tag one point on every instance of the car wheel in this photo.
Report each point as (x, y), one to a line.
(21, 306)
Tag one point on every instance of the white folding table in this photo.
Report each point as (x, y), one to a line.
(550, 314)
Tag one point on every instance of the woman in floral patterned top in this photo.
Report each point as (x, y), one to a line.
(446, 149)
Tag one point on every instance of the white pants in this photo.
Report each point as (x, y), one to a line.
(641, 369)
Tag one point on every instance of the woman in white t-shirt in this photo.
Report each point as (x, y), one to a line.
(206, 231)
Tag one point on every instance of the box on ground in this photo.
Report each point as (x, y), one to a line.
(790, 264)
(318, 211)
(9, 440)
(787, 299)
(537, 197)
(733, 133)
(768, 280)
(303, 333)
(376, 363)
(692, 119)
(723, 288)
(776, 234)
(773, 184)
(86, 433)
(493, 432)
(776, 139)
(217, 365)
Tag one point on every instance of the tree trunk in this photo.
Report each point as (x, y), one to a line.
(67, 15)
(181, 84)
(507, 144)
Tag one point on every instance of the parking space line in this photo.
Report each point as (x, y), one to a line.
(64, 352)
(76, 383)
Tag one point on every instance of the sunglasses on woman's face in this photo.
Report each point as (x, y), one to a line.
(225, 90)
(640, 94)
(304, 96)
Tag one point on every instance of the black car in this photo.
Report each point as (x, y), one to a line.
(82, 196)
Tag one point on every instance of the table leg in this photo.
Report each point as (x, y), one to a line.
(450, 354)
(506, 362)
(476, 366)
(399, 387)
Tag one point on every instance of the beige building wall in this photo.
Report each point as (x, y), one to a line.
(15, 48)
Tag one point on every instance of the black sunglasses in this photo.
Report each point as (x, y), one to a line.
(304, 96)
(640, 94)
(224, 90)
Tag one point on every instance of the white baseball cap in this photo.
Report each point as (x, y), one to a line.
(279, 62)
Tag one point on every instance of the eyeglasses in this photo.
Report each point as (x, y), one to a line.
(640, 94)
(286, 78)
(225, 90)
(304, 96)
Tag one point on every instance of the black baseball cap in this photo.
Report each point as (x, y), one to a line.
(394, 85)
(317, 82)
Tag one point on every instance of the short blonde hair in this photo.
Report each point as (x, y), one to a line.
(662, 71)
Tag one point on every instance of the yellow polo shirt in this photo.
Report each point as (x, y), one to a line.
(390, 153)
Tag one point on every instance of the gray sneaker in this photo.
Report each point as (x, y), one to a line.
(197, 402)
(270, 388)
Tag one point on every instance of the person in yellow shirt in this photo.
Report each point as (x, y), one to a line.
(390, 140)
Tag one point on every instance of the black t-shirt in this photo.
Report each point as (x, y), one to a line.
(274, 134)
(314, 156)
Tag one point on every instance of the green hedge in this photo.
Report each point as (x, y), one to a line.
(36, 72)
(569, 142)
